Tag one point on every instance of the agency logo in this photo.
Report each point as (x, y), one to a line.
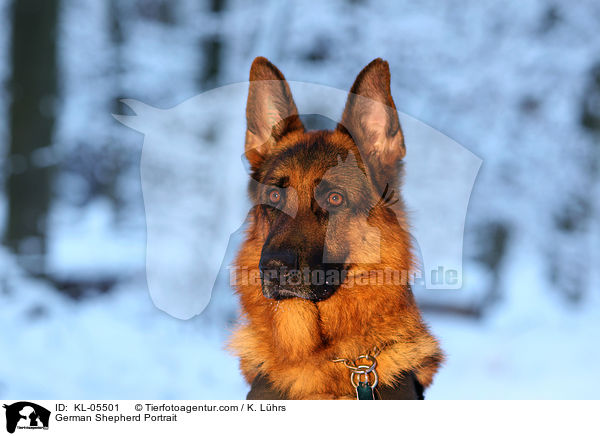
(194, 176)
(26, 415)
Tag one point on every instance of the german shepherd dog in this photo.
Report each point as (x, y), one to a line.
(326, 208)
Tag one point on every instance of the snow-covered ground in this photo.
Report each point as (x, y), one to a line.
(531, 346)
(108, 346)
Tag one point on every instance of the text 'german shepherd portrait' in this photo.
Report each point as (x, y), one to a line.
(318, 321)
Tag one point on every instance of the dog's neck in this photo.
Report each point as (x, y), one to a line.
(345, 325)
(294, 341)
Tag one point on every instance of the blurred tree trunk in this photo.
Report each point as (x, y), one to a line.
(33, 87)
(212, 49)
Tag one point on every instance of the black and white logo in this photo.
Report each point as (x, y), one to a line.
(26, 415)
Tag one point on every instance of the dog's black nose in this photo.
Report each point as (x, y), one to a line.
(275, 269)
(278, 260)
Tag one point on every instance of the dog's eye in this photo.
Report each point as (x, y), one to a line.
(274, 196)
(335, 199)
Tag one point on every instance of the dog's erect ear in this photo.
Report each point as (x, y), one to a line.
(370, 117)
(270, 112)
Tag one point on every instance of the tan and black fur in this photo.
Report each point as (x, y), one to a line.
(289, 334)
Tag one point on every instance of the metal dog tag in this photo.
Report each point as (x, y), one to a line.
(364, 391)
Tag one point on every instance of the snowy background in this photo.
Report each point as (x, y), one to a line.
(517, 84)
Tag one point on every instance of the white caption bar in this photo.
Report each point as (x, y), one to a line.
(298, 417)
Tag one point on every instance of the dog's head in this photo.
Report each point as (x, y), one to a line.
(323, 200)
